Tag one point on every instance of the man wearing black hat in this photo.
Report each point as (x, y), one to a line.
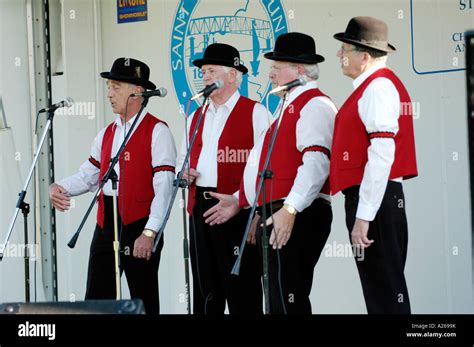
(225, 137)
(373, 149)
(145, 178)
(298, 194)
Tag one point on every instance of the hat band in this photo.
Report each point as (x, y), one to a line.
(369, 42)
(293, 55)
(375, 42)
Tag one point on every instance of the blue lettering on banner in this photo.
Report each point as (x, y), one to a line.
(132, 11)
(251, 30)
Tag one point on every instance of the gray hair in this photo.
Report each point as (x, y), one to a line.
(382, 59)
(311, 71)
(131, 86)
(378, 56)
(238, 75)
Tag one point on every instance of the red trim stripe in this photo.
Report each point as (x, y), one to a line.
(317, 149)
(94, 162)
(164, 168)
(382, 134)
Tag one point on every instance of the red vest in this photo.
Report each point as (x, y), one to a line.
(351, 141)
(136, 170)
(234, 146)
(286, 158)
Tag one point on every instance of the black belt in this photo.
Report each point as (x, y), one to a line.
(203, 192)
(354, 190)
(275, 206)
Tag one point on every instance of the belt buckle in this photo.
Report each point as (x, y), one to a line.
(207, 195)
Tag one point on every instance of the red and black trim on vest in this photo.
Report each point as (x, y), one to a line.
(94, 162)
(161, 168)
(350, 136)
(317, 148)
(136, 192)
(382, 134)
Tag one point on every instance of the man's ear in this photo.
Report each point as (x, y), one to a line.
(366, 58)
(300, 68)
(137, 89)
(233, 75)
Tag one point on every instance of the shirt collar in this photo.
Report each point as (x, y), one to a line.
(118, 121)
(229, 104)
(297, 91)
(376, 66)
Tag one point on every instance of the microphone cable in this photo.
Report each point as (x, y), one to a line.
(122, 195)
(209, 296)
(35, 268)
(280, 286)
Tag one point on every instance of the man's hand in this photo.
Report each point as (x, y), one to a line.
(359, 234)
(190, 175)
(227, 208)
(142, 247)
(59, 198)
(283, 222)
(252, 236)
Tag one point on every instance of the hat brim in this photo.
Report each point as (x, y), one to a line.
(302, 59)
(388, 49)
(132, 80)
(200, 62)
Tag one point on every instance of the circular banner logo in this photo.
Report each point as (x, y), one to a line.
(250, 26)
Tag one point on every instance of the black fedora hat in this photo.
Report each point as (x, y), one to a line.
(367, 32)
(221, 54)
(130, 70)
(296, 48)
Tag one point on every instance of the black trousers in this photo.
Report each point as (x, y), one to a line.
(291, 268)
(381, 265)
(214, 250)
(142, 275)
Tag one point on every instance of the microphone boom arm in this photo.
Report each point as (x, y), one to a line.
(73, 240)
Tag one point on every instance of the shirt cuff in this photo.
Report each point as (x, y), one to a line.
(236, 195)
(153, 224)
(365, 212)
(297, 201)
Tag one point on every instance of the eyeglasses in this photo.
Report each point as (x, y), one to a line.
(278, 68)
(345, 50)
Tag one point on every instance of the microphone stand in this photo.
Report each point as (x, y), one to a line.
(264, 175)
(25, 207)
(116, 244)
(112, 175)
(183, 184)
(178, 182)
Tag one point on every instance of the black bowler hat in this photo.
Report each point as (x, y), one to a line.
(367, 32)
(296, 48)
(130, 70)
(221, 54)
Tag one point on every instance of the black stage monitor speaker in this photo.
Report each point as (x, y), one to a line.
(134, 306)
(469, 39)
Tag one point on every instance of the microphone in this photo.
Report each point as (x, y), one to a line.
(300, 81)
(208, 90)
(161, 92)
(63, 103)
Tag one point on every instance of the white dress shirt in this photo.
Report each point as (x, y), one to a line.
(163, 152)
(379, 109)
(314, 128)
(216, 118)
